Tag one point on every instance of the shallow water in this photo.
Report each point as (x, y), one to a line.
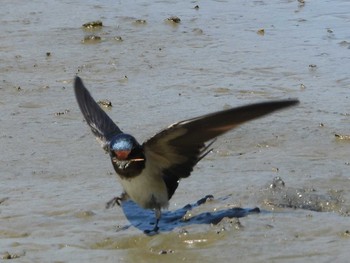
(55, 179)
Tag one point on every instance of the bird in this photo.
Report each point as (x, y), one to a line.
(150, 172)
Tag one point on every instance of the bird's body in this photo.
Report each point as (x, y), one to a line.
(150, 173)
(156, 195)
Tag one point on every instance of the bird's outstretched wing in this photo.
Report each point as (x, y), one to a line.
(100, 123)
(174, 152)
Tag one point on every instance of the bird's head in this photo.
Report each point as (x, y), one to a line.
(127, 155)
(122, 145)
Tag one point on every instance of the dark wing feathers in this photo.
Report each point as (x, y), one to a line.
(207, 127)
(177, 149)
(100, 123)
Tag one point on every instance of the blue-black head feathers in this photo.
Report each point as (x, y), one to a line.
(123, 142)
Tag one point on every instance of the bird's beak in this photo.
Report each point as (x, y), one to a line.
(137, 160)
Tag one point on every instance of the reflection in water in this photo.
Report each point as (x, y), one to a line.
(144, 219)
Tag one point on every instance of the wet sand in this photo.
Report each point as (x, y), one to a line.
(55, 179)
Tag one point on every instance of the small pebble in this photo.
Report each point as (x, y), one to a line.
(93, 24)
(261, 32)
(7, 255)
(91, 39)
(174, 19)
(61, 113)
(342, 137)
(105, 103)
(164, 252)
(118, 38)
(140, 21)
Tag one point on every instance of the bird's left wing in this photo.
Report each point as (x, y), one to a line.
(100, 123)
(174, 152)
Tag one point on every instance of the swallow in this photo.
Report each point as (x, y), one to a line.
(150, 172)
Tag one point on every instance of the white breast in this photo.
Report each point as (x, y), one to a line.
(147, 190)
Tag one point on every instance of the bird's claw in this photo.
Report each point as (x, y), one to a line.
(113, 202)
(151, 231)
(116, 200)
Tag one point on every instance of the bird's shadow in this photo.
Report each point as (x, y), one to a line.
(144, 219)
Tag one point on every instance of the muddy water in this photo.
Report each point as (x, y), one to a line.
(55, 179)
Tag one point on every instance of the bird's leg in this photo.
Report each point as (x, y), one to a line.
(158, 214)
(116, 200)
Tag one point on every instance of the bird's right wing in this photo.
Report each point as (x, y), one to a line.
(100, 123)
(174, 151)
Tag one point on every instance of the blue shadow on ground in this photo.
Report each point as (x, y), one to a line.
(144, 219)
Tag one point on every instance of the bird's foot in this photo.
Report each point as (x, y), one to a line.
(156, 227)
(113, 202)
(152, 231)
(116, 200)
